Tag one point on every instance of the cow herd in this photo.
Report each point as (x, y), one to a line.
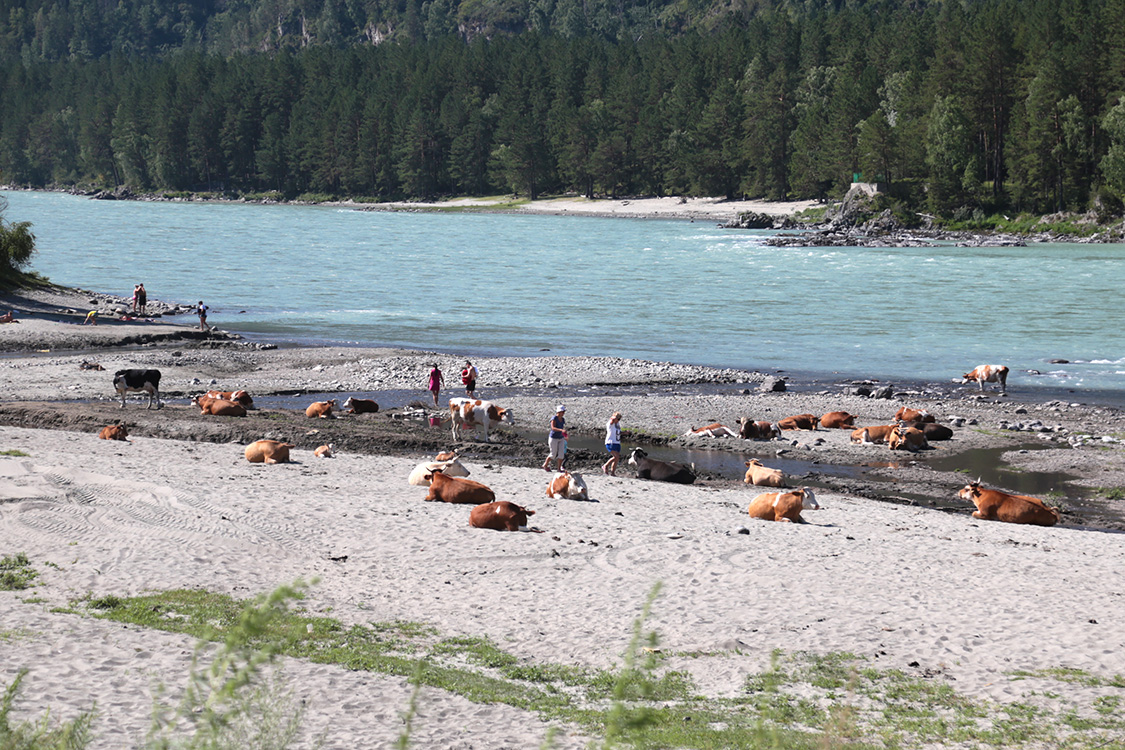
(446, 476)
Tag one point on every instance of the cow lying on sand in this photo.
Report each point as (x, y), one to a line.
(876, 434)
(500, 516)
(906, 414)
(994, 505)
(783, 506)
(239, 397)
(360, 406)
(798, 422)
(568, 486)
(748, 429)
(218, 406)
(115, 431)
(712, 430)
(763, 476)
(904, 438)
(420, 475)
(660, 471)
(268, 452)
(837, 420)
(321, 409)
(458, 490)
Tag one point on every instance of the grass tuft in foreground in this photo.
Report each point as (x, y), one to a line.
(16, 572)
(40, 734)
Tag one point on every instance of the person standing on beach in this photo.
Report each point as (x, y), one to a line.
(201, 311)
(612, 444)
(436, 381)
(141, 297)
(556, 440)
(136, 294)
(469, 378)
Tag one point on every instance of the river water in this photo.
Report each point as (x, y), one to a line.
(663, 290)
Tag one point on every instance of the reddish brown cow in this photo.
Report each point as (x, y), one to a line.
(907, 439)
(239, 397)
(219, 407)
(115, 431)
(751, 430)
(838, 420)
(798, 422)
(783, 506)
(458, 490)
(994, 505)
(469, 414)
(875, 434)
(906, 414)
(320, 409)
(500, 516)
(988, 374)
(360, 406)
(268, 452)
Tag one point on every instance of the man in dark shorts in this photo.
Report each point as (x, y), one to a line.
(469, 378)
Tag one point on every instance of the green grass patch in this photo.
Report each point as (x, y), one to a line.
(1111, 493)
(16, 573)
(805, 700)
(14, 452)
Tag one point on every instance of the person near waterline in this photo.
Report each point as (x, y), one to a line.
(201, 311)
(469, 378)
(436, 381)
(612, 444)
(556, 440)
(91, 318)
(140, 297)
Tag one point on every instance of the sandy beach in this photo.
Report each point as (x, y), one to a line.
(891, 570)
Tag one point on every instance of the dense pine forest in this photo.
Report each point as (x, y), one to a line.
(957, 106)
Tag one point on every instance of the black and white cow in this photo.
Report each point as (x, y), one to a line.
(661, 471)
(146, 381)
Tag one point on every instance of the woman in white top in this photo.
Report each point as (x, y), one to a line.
(612, 444)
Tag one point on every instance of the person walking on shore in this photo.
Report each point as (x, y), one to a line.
(556, 440)
(469, 378)
(201, 311)
(436, 381)
(612, 444)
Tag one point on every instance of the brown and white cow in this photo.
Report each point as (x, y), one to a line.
(420, 475)
(325, 451)
(875, 434)
(218, 406)
(798, 422)
(906, 414)
(761, 430)
(907, 439)
(712, 430)
(471, 413)
(763, 476)
(500, 516)
(458, 490)
(994, 505)
(115, 431)
(239, 397)
(783, 506)
(360, 406)
(568, 486)
(838, 420)
(321, 409)
(988, 374)
(268, 452)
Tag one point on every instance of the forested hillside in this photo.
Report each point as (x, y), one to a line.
(996, 104)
